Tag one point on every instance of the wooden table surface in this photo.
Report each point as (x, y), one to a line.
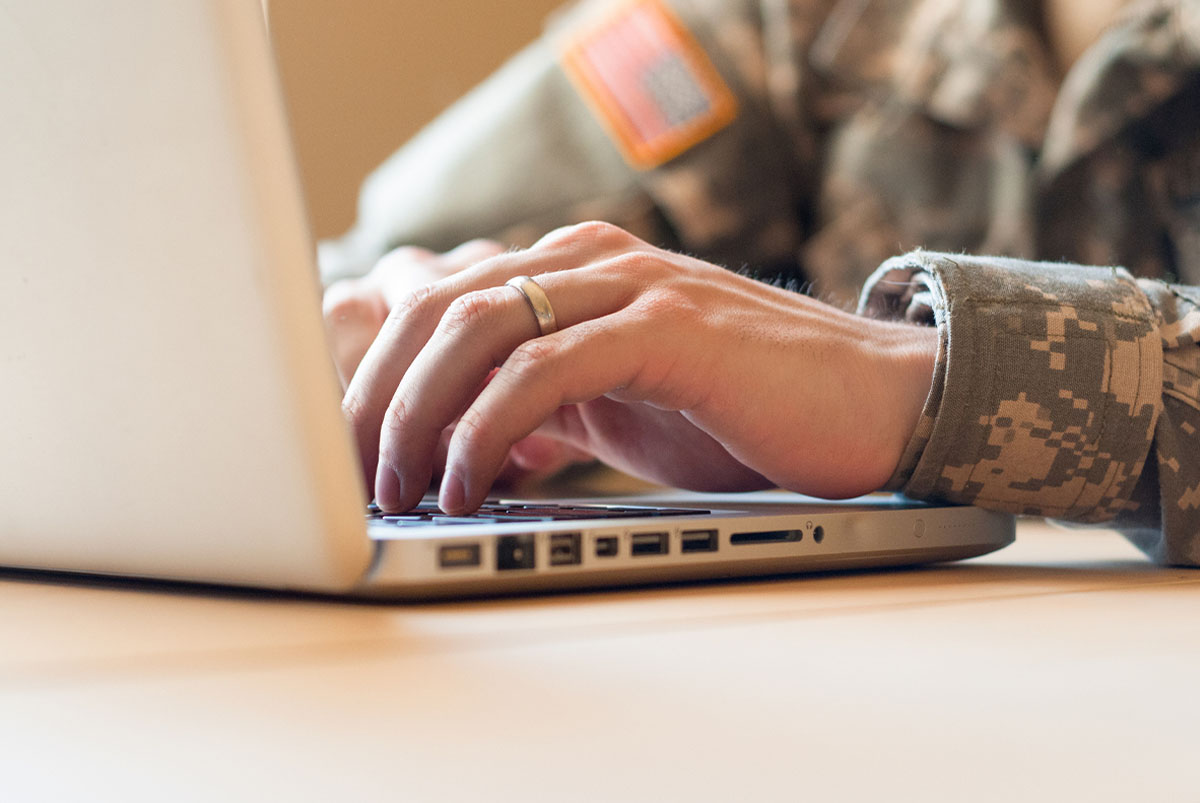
(1062, 668)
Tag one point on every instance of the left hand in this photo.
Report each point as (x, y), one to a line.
(666, 366)
(355, 309)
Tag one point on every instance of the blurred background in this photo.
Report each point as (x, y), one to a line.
(361, 76)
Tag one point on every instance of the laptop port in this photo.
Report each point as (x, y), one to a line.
(607, 546)
(564, 549)
(766, 537)
(648, 544)
(515, 552)
(819, 534)
(457, 556)
(699, 541)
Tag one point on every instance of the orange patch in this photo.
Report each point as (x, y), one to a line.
(649, 83)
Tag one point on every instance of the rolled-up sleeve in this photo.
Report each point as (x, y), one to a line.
(1060, 390)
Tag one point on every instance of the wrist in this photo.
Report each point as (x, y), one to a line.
(907, 356)
(1048, 387)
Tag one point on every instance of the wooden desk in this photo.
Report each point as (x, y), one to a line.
(1062, 668)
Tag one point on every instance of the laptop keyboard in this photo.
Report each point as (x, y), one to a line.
(495, 510)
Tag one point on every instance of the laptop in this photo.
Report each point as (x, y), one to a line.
(169, 409)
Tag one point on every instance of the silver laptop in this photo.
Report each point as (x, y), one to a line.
(168, 408)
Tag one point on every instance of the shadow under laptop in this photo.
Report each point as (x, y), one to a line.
(1018, 578)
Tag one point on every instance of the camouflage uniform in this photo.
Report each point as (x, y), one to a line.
(866, 128)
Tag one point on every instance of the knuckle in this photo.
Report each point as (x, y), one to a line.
(531, 358)
(470, 311)
(395, 420)
(592, 232)
(470, 430)
(341, 307)
(419, 302)
(667, 303)
(599, 230)
(633, 265)
(354, 409)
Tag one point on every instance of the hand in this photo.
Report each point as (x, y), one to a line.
(665, 366)
(355, 310)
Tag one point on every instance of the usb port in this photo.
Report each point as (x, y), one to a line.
(564, 549)
(457, 556)
(699, 541)
(607, 546)
(649, 544)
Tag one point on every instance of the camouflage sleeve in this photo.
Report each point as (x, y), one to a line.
(1060, 390)
(528, 151)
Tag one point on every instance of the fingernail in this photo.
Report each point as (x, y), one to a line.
(452, 496)
(389, 490)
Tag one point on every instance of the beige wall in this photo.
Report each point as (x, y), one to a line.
(363, 75)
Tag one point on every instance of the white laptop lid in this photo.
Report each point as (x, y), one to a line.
(145, 160)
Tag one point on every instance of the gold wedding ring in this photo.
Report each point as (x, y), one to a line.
(536, 296)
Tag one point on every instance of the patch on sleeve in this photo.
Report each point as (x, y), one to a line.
(649, 82)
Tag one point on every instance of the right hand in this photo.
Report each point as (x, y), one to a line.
(670, 368)
(355, 310)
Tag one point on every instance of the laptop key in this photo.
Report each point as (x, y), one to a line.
(463, 520)
(518, 517)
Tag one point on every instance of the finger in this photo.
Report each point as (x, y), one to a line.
(401, 269)
(540, 454)
(397, 343)
(470, 253)
(631, 438)
(360, 307)
(478, 332)
(533, 460)
(572, 366)
(353, 314)
(566, 248)
(414, 318)
(404, 268)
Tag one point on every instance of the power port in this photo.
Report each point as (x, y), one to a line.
(564, 549)
(515, 552)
